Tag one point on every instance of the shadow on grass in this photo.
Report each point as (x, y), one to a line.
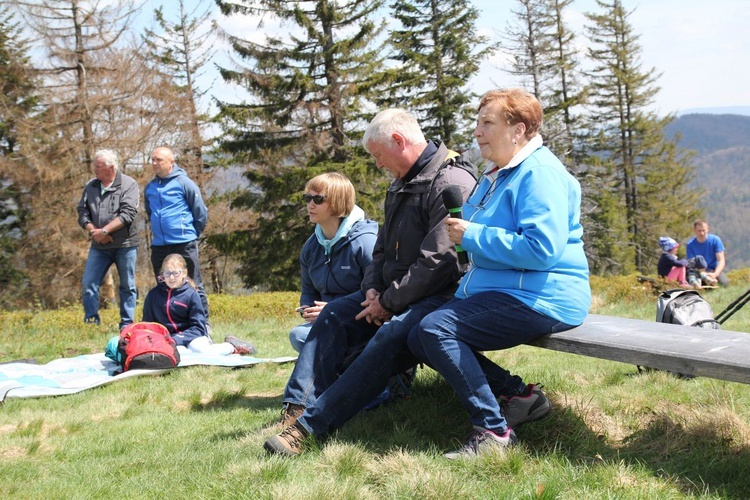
(432, 420)
(230, 400)
(704, 460)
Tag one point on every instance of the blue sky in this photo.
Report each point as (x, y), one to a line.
(701, 48)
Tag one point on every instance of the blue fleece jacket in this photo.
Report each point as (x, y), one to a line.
(524, 238)
(334, 268)
(175, 208)
(179, 309)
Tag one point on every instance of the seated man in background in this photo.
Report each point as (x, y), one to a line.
(710, 247)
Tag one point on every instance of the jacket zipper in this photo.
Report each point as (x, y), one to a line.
(169, 316)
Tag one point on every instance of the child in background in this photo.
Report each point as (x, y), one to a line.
(669, 266)
(175, 303)
(696, 273)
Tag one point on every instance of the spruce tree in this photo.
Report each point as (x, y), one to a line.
(309, 91)
(544, 54)
(645, 175)
(17, 105)
(438, 50)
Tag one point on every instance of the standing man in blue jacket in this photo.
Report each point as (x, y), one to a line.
(177, 214)
(107, 210)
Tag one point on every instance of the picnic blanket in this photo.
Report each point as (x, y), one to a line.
(71, 375)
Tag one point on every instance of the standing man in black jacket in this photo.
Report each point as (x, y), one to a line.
(107, 210)
(414, 271)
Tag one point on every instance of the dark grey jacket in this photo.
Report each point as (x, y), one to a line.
(413, 257)
(119, 200)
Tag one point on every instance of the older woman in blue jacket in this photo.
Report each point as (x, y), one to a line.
(528, 275)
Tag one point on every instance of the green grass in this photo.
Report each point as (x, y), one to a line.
(198, 432)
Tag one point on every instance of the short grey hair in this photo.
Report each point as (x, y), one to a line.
(109, 157)
(390, 121)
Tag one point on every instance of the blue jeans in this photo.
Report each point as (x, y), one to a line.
(97, 265)
(189, 252)
(298, 335)
(451, 336)
(330, 399)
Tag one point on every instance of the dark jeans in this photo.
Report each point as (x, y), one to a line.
(330, 399)
(189, 252)
(450, 337)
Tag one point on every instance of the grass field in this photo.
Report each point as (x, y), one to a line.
(198, 432)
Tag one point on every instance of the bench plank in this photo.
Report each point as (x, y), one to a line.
(720, 354)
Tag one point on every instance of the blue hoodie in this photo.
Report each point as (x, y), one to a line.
(334, 268)
(175, 208)
(179, 309)
(524, 236)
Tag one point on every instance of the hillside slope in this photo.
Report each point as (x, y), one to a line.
(722, 143)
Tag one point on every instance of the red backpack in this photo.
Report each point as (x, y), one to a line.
(147, 346)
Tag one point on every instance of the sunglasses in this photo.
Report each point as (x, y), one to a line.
(318, 199)
(170, 274)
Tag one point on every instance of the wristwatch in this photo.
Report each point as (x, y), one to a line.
(104, 232)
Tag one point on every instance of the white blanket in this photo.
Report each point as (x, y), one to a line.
(71, 375)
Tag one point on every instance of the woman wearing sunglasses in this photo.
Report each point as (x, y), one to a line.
(334, 258)
(175, 303)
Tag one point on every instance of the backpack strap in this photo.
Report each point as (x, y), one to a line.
(454, 159)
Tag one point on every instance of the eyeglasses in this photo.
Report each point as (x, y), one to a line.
(318, 199)
(170, 274)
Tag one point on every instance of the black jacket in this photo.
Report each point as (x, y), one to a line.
(413, 257)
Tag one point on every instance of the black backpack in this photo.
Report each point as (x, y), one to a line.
(685, 307)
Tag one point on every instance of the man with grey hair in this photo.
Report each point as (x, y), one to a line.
(414, 271)
(107, 210)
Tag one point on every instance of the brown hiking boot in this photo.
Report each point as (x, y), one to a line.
(288, 443)
(290, 413)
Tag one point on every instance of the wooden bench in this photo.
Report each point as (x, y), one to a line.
(720, 354)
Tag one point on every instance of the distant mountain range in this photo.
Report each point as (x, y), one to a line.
(723, 110)
(722, 145)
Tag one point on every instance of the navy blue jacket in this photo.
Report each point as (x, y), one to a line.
(325, 279)
(179, 309)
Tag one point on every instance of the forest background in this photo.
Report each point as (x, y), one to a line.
(78, 76)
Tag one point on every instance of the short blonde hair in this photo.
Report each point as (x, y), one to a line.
(338, 189)
(519, 106)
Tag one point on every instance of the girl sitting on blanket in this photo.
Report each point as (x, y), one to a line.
(175, 303)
